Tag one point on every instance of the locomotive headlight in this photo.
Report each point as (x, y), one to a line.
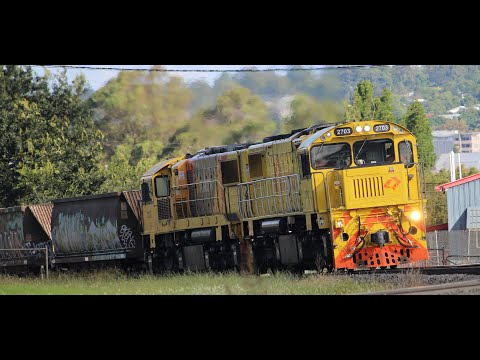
(329, 134)
(339, 223)
(359, 129)
(415, 215)
(366, 128)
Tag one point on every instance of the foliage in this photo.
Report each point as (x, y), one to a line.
(384, 107)
(452, 124)
(416, 121)
(365, 106)
(51, 146)
(238, 117)
(436, 200)
(306, 111)
(443, 87)
(125, 168)
(137, 106)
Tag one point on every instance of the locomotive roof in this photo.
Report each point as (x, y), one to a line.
(159, 166)
(315, 136)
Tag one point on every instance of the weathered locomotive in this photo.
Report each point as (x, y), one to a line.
(344, 196)
(332, 196)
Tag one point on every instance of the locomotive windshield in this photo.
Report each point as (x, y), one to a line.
(331, 156)
(369, 152)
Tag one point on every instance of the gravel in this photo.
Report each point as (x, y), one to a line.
(397, 281)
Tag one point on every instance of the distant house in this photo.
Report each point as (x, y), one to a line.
(449, 116)
(463, 201)
(456, 110)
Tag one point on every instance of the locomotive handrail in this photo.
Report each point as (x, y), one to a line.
(329, 204)
(265, 197)
(200, 183)
(215, 200)
(315, 206)
(327, 189)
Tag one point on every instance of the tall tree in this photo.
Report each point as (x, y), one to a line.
(363, 103)
(51, 147)
(384, 107)
(305, 112)
(238, 117)
(16, 85)
(137, 106)
(365, 106)
(417, 122)
(244, 116)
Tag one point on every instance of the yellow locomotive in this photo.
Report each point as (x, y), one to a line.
(334, 196)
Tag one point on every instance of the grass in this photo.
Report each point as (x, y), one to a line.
(113, 282)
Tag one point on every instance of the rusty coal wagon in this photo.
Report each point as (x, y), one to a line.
(24, 234)
(97, 229)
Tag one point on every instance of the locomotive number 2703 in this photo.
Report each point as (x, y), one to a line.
(343, 131)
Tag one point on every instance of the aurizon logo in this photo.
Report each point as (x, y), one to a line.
(392, 183)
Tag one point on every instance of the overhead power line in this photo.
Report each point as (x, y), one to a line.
(246, 69)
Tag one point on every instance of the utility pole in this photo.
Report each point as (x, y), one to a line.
(459, 167)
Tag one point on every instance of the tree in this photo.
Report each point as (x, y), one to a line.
(16, 84)
(384, 107)
(122, 171)
(471, 116)
(141, 106)
(363, 103)
(51, 146)
(243, 116)
(416, 121)
(365, 106)
(306, 111)
(237, 117)
(436, 200)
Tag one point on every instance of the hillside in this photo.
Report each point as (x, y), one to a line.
(440, 88)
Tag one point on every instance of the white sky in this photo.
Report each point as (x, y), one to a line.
(98, 78)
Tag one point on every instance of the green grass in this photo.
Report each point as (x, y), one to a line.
(112, 282)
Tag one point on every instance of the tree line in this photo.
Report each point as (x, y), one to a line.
(58, 140)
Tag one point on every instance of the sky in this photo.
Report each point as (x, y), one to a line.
(98, 78)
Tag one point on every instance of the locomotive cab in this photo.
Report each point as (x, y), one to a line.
(369, 193)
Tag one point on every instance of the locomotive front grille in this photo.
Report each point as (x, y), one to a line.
(370, 187)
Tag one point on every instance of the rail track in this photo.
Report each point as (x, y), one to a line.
(457, 288)
(434, 270)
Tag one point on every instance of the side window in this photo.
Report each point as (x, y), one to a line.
(389, 152)
(405, 152)
(230, 172)
(162, 186)
(305, 164)
(255, 165)
(147, 191)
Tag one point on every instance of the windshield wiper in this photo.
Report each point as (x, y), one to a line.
(361, 147)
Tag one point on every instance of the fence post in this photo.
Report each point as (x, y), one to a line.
(46, 261)
(468, 246)
(436, 247)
